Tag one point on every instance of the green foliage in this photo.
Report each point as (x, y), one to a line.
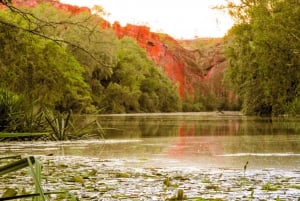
(263, 56)
(121, 76)
(36, 172)
(17, 117)
(293, 107)
(65, 127)
(65, 62)
(41, 71)
(92, 47)
(137, 84)
(10, 107)
(270, 187)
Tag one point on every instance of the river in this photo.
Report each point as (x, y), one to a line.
(181, 141)
(185, 139)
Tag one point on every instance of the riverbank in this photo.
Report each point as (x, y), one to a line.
(97, 179)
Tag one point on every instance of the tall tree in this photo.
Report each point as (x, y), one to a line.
(137, 84)
(263, 55)
(40, 70)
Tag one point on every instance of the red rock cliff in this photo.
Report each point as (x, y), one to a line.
(190, 69)
(166, 52)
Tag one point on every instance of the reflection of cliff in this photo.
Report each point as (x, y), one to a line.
(191, 144)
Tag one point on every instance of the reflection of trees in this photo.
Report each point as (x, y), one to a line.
(157, 126)
(265, 126)
(136, 126)
(263, 144)
(205, 136)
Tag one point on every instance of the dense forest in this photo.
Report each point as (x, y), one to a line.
(262, 52)
(59, 61)
(63, 61)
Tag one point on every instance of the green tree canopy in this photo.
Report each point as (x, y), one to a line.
(39, 69)
(137, 84)
(66, 61)
(263, 55)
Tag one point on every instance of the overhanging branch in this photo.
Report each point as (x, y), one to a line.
(36, 25)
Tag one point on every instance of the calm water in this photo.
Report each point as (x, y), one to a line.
(190, 139)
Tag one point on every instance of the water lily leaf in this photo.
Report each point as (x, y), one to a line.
(123, 174)
(9, 193)
(78, 179)
(92, 172)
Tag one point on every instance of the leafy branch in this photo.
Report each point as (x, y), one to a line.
(36, 25)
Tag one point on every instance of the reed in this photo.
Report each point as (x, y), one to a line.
(36, 173)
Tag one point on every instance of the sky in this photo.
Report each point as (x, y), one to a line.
(181, 19)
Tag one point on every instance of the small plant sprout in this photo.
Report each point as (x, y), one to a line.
(180, 194)
(245, 167)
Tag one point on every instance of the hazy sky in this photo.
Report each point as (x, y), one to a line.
(178, 18)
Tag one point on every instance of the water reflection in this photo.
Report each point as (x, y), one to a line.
(193, 124)
(204, 140)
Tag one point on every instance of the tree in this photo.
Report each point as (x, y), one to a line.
(262, 51)
(68, 61)
(43, 21)
(40, 70)
(137, 84)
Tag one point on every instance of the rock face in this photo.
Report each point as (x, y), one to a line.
(192, 68)
(165, 51)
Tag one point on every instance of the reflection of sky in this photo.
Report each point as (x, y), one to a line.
(178, 18)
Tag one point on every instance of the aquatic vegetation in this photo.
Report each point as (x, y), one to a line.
(178, 197)
(112, 180)
(295, 186)
(122, 175)
(206, 180)
(168, 183)
(36, 174)
(78, 179)
(245, 168)
(206, 199)
(212, 187)
(270, 187)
